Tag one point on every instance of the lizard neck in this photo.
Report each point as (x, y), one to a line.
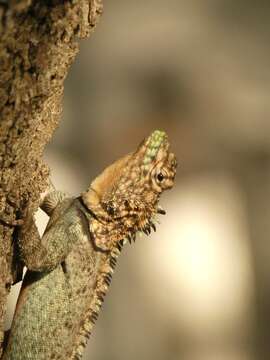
(90, 200)
(87, 211)
(102, 186)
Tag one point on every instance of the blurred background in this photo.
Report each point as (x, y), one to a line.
(198, 289)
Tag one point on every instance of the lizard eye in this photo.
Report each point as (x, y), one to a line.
(160, 177)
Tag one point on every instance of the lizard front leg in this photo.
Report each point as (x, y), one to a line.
(40, 254)
(43, 312)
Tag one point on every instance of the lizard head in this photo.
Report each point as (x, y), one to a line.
(124, 198)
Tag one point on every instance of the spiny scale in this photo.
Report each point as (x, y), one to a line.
(100, 292)
(129, 238)
(153, 226)
(161, 211)
(106, 279)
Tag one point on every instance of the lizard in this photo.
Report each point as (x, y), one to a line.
(69, 269)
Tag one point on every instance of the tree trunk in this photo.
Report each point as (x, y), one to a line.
(39, 40)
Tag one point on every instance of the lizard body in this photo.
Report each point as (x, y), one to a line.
(70, 268)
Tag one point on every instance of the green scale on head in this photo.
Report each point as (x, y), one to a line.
(152, 145)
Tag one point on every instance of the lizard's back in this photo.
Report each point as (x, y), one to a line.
(52, 305)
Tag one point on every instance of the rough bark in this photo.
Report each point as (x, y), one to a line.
(38, 42)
